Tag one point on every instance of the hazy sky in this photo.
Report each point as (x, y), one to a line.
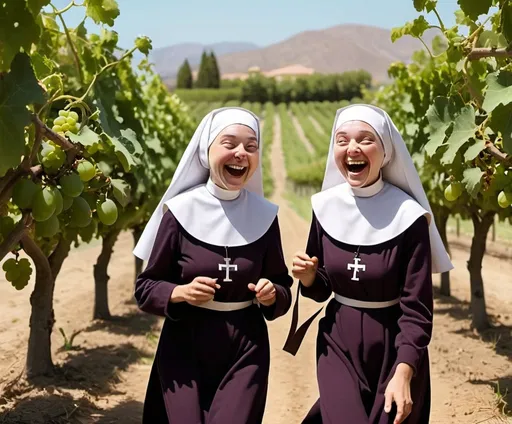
(262, 22)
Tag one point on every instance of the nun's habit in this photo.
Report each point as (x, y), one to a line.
(212, 362)
(377, 247)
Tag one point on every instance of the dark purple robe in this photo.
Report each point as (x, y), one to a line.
(358, 349)
(210, 366)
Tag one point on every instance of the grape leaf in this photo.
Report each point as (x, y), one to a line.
(464, 128)
(130, 135)
(474, 150)
(121, 146)
(102, 11)
(429, 5)
(499, 90)
(143, 44)
(501, 121)
(42, 65)
(35, 6)
(415, 28)
(473, 8)
(156, 145)
(86, 137)
(18, 29)
(506, 21)
(121, 191)
(439, 119)
(18, 89)
(472, 180)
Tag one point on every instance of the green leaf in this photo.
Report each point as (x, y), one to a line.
(415, 28)
(474, 150)
(501, 122)
(121, 191)
(464, 128)
(43, 66)
(506, 21)
(86, 137)
(102, 11)
(156, 145)
(439, 119)
(143, 44)
(134, 146)
(499, 90)
(18, 89)
(429, 5)
(475, 8)
(127, 159)
(18, 29)
(472, 180)
(35, 6)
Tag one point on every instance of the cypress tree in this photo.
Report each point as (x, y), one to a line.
(202, 76)
(185, 76)
(214, 72)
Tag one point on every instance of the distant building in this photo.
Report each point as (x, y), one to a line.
(289, 71)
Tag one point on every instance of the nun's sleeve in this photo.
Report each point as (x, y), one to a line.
(416, 297)
(275, 270)
(320, 290)
(153, 287)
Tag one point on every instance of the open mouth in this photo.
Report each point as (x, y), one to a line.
(356, 166)
(235, 170)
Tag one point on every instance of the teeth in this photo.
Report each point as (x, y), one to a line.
(239, 168)
(356, 162)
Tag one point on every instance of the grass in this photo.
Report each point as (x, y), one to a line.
(503, 229)
(300, 203)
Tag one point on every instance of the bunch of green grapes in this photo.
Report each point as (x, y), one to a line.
(52, 157)
(18, 272)
(66, 121)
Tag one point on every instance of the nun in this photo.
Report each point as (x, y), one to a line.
(372, 244)
(216, 272)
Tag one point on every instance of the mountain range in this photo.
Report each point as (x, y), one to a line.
(336, 49)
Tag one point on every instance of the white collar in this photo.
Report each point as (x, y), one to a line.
(221, 193)
(368, 191)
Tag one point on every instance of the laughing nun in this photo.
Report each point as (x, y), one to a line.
(216, 272)
(373, 244)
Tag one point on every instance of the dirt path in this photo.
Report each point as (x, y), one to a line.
(104, 379)
(300, 132)
(317, 126)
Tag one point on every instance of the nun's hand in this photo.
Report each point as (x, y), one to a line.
(265, 292)
(399, 391)
(199, 291)
(304, 268)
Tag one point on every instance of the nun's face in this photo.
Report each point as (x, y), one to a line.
(233, 157)
(358, 153)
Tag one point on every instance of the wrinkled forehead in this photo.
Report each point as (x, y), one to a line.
(229, 117)
(356, 126)
(363, 114)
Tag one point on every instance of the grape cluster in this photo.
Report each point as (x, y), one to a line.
(52, 157)
(66, 121)
(18, 272)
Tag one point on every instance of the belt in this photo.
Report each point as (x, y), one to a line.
(227, 306)
(365, 304)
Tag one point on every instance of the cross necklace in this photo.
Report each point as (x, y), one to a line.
(227, 266)
(356, 266)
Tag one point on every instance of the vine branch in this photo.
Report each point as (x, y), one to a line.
(15, 235)
(68, 36)
(443, 28)
(481, 52)
(496, 153)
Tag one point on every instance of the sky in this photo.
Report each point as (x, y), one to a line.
(262, 22)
